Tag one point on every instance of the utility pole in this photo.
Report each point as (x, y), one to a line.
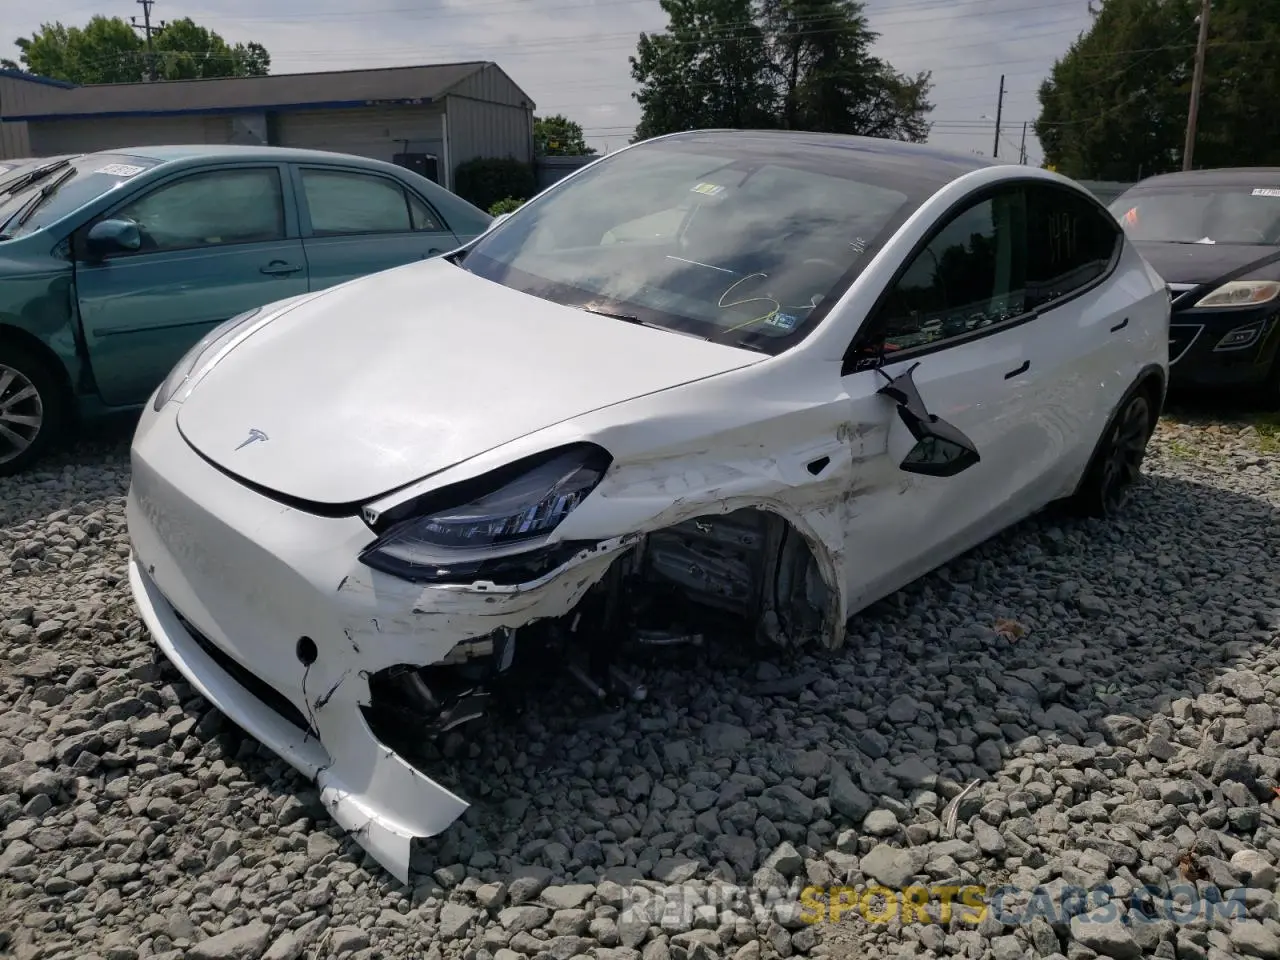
(1022, 151)
(995, 150)
(147, 31)
(1197, 81)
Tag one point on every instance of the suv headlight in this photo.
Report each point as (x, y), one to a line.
(511, 511)
(1241, 293)
(188, 370)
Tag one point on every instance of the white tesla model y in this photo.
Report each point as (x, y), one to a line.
(772, 375)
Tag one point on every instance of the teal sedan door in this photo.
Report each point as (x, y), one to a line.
(356, 222)
(215, 243)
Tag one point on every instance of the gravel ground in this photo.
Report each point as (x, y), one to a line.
(1110, 688)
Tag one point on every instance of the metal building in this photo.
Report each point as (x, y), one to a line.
(430, 118)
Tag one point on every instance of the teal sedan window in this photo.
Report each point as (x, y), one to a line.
(351, 203)
(205, 209)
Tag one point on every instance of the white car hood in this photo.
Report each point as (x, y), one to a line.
(389, 379)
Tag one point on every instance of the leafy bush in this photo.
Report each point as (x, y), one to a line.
(509, 205)
(486, 181)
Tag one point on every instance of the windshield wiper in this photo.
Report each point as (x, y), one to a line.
(632, 318)
(629, 317)
(10, 187)
(28, 209)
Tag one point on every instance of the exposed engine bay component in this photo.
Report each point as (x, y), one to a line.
(744, 573)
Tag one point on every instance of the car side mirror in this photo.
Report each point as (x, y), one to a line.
(929, 445)
(112, 236)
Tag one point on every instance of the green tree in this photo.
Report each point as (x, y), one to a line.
(105, 50)
(559, 136)
(829, 80)
(109, 50)
(1115, 105)
(794, 64)
(710, 68)
(187, 51)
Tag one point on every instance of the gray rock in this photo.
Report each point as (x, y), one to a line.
(523, 918)
(890, 866)
(1105, 933)
(849, 800)
(455, 919)
(1252, 939)
(239, 943)
(570, 896)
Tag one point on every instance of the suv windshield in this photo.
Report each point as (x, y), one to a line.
(93, 176)
(1202, 214)
(737, 240)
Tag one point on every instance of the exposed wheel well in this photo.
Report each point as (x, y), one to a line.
(1152, 385)
(40, 350)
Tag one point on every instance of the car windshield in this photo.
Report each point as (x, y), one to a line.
(94, 175)
(1203, 214)
(738, 241)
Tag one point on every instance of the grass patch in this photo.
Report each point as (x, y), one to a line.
(1268, 427)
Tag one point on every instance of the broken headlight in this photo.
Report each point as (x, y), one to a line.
(506, 515)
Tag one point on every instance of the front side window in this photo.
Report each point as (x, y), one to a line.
(972, 274)
(209, 209)
(354, 203)
(1247, 214)
(740, 241)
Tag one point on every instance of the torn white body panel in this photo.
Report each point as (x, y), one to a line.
(252, 579)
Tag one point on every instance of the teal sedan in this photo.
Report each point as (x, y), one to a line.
(112, 265)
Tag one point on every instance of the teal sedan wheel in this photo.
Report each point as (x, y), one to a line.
(32, 408)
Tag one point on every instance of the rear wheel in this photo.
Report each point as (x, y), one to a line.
(33, 408)
(1117, 464)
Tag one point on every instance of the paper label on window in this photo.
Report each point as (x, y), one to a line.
(783, 321)
(1266, 192)
(120, 170)
(709, 189)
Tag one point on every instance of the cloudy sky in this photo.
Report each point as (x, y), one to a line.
(571, 55)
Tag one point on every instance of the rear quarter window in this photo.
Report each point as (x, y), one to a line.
(1071, 242)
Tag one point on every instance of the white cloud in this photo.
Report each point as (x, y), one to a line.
(571, 55)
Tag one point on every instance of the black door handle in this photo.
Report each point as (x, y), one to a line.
(279, 268)
(1026, 365)
(1120, 326)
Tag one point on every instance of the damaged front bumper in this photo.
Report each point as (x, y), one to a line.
(270, 616)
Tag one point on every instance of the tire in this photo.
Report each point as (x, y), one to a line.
(34, 408)
(1117, 462)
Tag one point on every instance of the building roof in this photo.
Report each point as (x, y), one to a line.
(284, 91)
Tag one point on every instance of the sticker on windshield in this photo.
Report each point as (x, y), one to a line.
(783, 321)
(120, 170)
(1265, 192)
(709, 189)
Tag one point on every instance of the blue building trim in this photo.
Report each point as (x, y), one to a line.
(218, 111)
(35, 78)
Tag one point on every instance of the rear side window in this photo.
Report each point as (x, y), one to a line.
(357, 203)
(1070, 244)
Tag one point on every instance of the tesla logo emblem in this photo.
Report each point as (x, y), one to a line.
(254, 436)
